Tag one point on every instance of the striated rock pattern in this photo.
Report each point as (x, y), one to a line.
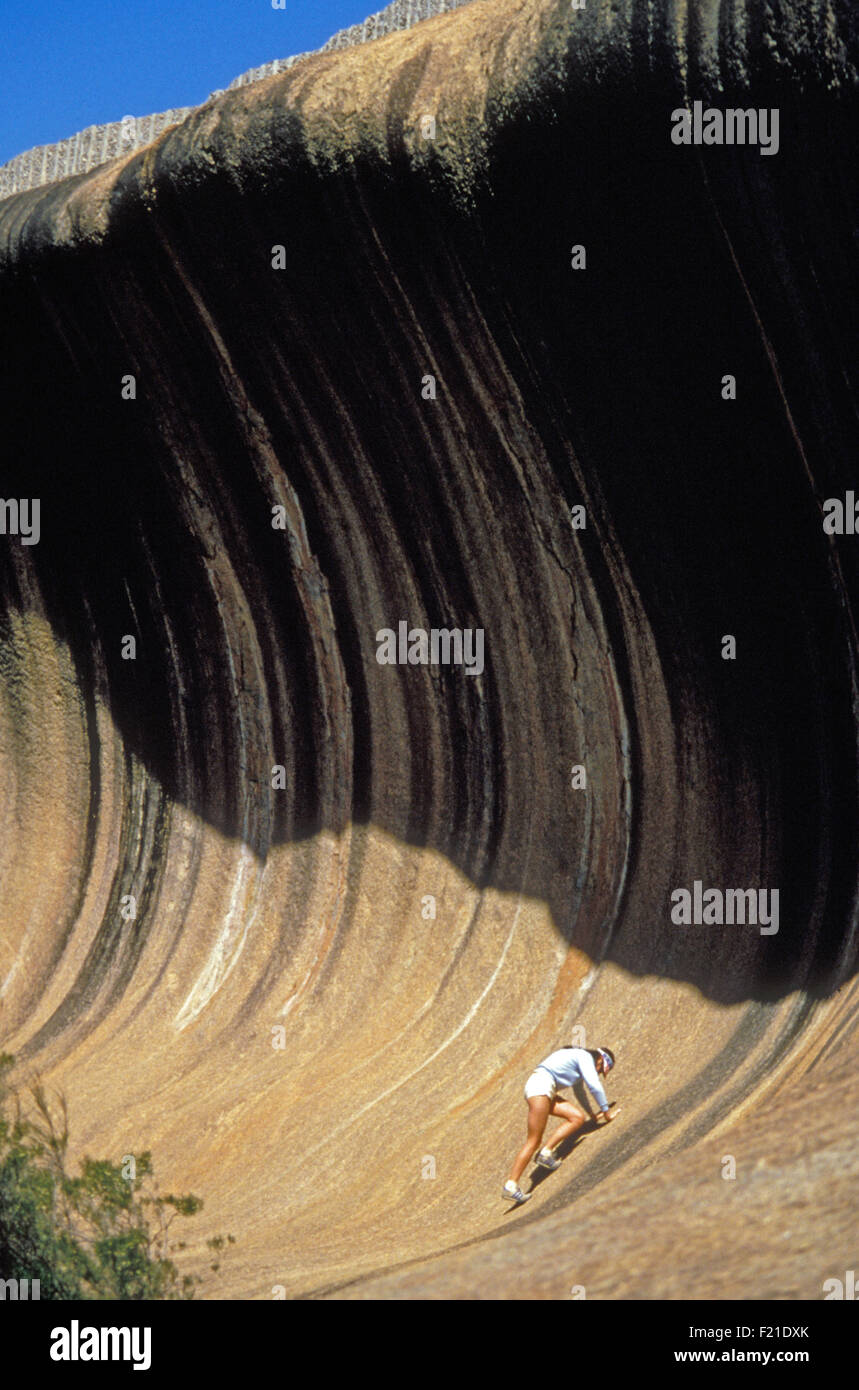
(100, 143)
(316, 995)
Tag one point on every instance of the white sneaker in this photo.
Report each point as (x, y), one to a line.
(513, 1193)
(546, 1159)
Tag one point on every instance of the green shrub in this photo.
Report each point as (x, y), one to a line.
(105, 1234)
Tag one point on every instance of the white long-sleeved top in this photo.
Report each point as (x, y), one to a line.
(572, 1064)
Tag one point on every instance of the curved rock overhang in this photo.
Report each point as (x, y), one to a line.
(293, 386)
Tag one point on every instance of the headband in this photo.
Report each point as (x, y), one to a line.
(609, 1063)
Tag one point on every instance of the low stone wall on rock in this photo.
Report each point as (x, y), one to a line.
(99, 143)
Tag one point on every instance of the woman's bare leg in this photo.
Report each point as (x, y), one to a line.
(574, 1119)
(538, 1114)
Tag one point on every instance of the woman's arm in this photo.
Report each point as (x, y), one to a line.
(590, 1076)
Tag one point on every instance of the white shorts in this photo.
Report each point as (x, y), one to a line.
(540, 1083)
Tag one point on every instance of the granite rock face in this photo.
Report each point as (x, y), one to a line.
(315, 994)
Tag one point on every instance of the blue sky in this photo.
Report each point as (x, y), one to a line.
(67, 64)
